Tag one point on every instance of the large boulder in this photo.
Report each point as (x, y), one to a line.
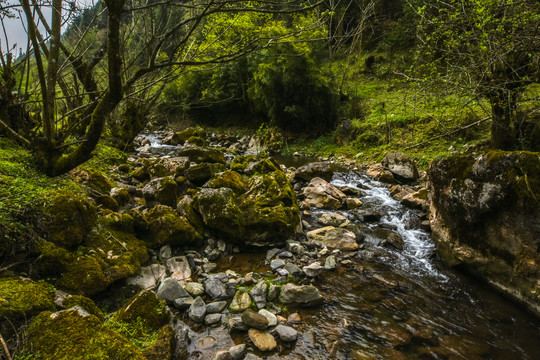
(201, 173)
(23, 298)
(201, 154)
(162, 190)
(144, 308)
(74, 334)
(323, 170)
(167, 227)
(484, 217)
(321, 194)
(305, 295)
(401, 166)
(267, 212)
(335, 238)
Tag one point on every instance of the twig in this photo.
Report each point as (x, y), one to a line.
(4, 345)
(449, 133)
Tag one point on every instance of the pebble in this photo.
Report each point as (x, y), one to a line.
(222, 355)
(272, 319)
(286, 333)
(197, 310)
(254, 320)
(194, 288)
(183, 303)
(294, 318)
(237, 351)
(277, 264)
(263, 340)
(216, 307)
(212, 319)
(330, 263)
(313, 269)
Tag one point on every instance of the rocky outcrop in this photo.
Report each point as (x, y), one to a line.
(401, 166)
(484, 217)
(321, 194)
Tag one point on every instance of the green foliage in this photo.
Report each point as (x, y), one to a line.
(138, 334)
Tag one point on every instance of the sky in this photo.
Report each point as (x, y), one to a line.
(15, 30)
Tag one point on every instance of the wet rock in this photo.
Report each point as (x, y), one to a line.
(203, 155)
(262, 340)
(321, 194)
(389, 238)
(417, 200)
(367, 216)
(293, 270)
(309, 171)
(183, 303)
(295, 247)
(181, 337)
(216, 307)
(215, 288)
(212, 319)
(306, 295)
(484, 213)
(331, 219)
(352, 203)
(197, 310)
(240, 302)
(392, 334)
(276, 264)
(272, 319)
(222, 355)
(254, 320)
(179, 268)
(252, 357)
(148, 276)
(258, 294)
(334, 238)
(464, 346)
(286, 333)
(401, 166)
(236, 323)
(170, 290)
(330, 263)
(238, 351)
(194, 288)
(313, 269)
(294, 319)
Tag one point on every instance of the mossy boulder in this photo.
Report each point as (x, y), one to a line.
(164, 347)
(144, 307)
(189, 132)
(251, 164)
(484, 217)
(163, 190)
(107, 202)
(68, 218)
(109, 253)
(202, 154)
(74, 334)
(86, 303)
(22, 298)
(228, 179)
(95, 180)
(165, 226)
(195, 140)
(201, 173)
(265, 213)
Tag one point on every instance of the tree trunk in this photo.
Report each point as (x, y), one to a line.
(502, 134)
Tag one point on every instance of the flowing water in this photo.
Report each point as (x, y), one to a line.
(393, 304)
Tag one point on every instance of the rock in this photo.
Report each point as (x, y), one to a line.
(273, 292)
(293, 270)
(197, 310)
(417, 200)
(236, 323)
(464, 346)
(165, 226)
(21, 299)
(240, 302)
(203, 155)
(194, 288)
(212, 319)
(165, 253)
(313, 269)
(219, 210)
(295, 247)
(170, 290)
(183, 303)
(367, 216)
(262, 340)
(252, 357)
(294, 318)
(306, 295)
(199, 174)
(335, 238)
(330, 263)
(216, 307)
(179, 268)
(163, 348)
(484, 217)
(352, 203)
(228, 179)
(162, 190)
(145, 308)
(222, 355)
(389, 238)
(386, 176)
(331, 219)
(75, 334)
(254, 320)
(121, 195)
(148, 276)
(401, 166)
(215, 288)
(321, 194)
(309, 171)
(286, 333)
(272, 319)
(258, 294)
(277, 264)
(181, 337)
(237, 351)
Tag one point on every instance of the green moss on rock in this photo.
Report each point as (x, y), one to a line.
(76, 335)
(167, 227)
(86, 303)
(68, 218)
(23, 298)
(201, 173)
(195, 140)
(163, 349)
(147, 307)
(228, 179)
(94, 179)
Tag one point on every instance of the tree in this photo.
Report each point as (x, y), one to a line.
(81, 82)
(489, 48)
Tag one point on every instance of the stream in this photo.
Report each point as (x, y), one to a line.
(387, 303)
